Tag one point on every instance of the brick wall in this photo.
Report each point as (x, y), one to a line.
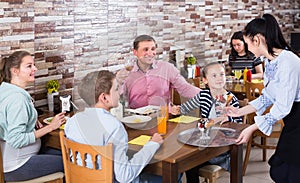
(70, 38)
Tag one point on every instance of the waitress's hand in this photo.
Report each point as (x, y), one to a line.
(246, 134)
(58, 120)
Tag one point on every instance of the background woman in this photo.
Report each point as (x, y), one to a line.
(240, 57)
(20, 142)
(282, 90)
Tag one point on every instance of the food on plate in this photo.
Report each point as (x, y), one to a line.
(137, 120)
(49, 120)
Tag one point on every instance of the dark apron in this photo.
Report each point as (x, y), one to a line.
(288, 147)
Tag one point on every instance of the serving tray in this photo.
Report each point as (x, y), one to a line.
(219, 136)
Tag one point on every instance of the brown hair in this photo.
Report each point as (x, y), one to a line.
(142, 38)
(12, 61)
(95, 83)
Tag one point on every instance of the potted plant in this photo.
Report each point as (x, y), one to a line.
(52, 90)
(191, 60)
(191, 65)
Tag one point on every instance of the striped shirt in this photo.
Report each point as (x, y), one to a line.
(205, 101)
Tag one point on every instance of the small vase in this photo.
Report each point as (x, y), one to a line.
(51, 100)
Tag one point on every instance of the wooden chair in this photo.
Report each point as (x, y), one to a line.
(243, 103)
(210, 173)
(253, 90)
(52, 178)
(75, 173)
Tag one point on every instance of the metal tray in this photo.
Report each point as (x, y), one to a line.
(219, 136)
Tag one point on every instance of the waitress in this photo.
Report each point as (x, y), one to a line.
(282, 91)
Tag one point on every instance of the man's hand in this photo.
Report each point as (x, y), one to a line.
(121, 76)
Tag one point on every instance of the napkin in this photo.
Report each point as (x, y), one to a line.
(184, 119)
(257, 81)
(141, 140)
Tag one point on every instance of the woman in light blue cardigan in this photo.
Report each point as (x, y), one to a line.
(19, 140)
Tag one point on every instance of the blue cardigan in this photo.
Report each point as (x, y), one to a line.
(17, 116)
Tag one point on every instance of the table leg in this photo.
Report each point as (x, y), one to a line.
(169, 172)
(236, 161)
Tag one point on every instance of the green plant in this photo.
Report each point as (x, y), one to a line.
(191, 60)
(52, 86)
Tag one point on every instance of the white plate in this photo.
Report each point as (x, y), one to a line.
(48, 121)
(144, 110)
(136, 121)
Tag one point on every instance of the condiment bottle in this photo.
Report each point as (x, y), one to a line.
(245, 74)
(249, 76)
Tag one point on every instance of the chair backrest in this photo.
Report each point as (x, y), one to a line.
(253, 90)
(243, 103)
(75, 173)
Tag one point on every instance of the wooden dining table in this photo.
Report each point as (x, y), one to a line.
(174, 157)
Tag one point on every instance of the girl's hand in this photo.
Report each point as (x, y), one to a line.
(175, 109)
(246, 134)
(232, 111)
(58, 120)
(221, 119)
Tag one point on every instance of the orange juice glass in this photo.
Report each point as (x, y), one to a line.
(162, 117)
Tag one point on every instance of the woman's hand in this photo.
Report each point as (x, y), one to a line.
(246, 134)
(57, 121)
(38, 125)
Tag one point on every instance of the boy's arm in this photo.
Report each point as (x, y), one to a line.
(125, 169)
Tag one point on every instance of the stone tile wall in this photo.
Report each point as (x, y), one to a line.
(70, 38)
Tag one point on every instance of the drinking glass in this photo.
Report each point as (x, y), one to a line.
(129, 62)
(162, 117)
(238, 74)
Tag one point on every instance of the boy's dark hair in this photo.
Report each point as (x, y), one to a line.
(142, 38)
(95, 83)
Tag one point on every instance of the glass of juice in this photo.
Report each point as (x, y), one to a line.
(162, 117)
